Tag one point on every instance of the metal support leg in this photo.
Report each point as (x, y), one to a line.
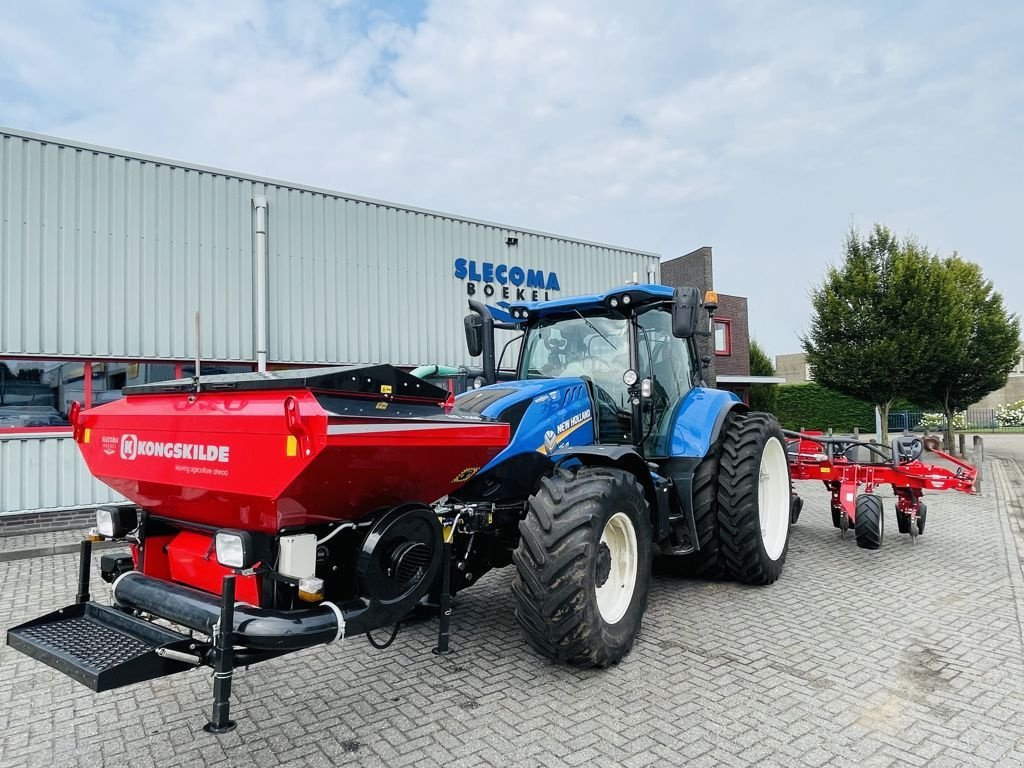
(224, 662)
(84, 570)
(446, 601)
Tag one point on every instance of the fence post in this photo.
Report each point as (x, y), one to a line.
(979, 444)
(961, 440)
(856, 433)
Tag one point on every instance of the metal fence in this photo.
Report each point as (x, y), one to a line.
(918, 421)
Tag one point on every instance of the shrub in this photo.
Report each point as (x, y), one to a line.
(938, 420)
(1010, 415)
(812, 406)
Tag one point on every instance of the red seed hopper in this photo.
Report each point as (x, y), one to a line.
(287, 449)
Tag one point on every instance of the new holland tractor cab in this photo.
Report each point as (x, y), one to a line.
(275, 511)
(620, 453)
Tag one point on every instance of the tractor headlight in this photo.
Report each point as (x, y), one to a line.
(116, 522)
(234, 549)
(613, 302)
(626, 298)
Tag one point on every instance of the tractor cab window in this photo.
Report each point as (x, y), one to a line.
(665, 360)
(593, 347)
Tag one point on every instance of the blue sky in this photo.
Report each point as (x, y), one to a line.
(762, 129)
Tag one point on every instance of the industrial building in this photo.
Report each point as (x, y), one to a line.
(106, 257)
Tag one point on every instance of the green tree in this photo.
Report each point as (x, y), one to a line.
(875, 319)
(762, 396)
(976, 347)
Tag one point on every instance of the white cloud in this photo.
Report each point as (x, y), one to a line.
(760, 129)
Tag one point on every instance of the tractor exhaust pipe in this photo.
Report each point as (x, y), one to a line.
(256, 628)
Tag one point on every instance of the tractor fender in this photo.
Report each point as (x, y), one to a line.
(698, 421)
(626, 457)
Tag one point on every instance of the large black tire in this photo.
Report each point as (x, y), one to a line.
(753, 498)
(562, 562)
(706, 562)
(869, 524)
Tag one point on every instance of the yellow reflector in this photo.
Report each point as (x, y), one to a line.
(385, 389)
(86, 435)
(825, 470)
(291, 446)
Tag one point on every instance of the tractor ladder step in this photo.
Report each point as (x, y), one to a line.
(103, 647)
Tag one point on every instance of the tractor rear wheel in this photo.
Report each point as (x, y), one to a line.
(583, 566)
(753, 498)
(706, 562)
(869, 524)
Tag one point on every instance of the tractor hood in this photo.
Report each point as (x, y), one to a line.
(542, 414)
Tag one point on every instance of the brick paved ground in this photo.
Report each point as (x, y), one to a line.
(911, 655)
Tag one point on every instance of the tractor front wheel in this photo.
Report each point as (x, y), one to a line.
(753, 498)
(583, 566)
(869, 524)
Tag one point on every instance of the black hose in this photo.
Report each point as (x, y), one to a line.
(388, 642)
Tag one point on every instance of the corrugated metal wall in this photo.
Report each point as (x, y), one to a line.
(46, 473)
(362, 282)
(106, 254)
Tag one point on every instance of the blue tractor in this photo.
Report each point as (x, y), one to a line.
(622, 454)
(355, 500)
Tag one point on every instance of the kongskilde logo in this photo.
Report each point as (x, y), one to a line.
(132, 448)
(129, 447)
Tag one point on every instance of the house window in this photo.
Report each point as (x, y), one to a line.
(723, 337)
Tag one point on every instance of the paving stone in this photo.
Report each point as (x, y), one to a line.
(911, 655)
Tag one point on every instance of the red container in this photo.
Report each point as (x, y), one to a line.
(264, 452)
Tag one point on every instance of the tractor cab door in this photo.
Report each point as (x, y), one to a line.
(667, 361)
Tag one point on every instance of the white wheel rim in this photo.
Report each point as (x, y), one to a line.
(616, 593)
(773, 498)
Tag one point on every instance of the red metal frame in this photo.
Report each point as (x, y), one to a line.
(810, 460)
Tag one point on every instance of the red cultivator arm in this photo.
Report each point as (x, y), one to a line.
(844, 465)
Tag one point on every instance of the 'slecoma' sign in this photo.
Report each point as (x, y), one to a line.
(508, 282)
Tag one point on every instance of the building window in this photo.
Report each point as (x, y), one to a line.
(723, 337)
(37, 394)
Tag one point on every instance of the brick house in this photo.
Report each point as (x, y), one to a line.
(727, 345)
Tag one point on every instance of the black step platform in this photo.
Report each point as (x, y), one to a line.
(102, 647)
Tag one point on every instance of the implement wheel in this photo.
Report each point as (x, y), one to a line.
(903, 521)
(922, 514)
(753, 498)
(583, 566)
(869, 524)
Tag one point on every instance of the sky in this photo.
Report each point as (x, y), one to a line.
(765, 130)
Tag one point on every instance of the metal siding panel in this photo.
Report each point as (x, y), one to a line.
(127, 247)
(46, 473)
(105, 256)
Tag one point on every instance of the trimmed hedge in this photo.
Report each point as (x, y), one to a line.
(812, 406)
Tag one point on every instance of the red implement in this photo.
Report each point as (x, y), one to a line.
(292, 449)
(814, 456)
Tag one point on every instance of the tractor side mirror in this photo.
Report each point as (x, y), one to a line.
(474, 334)
(685, 308)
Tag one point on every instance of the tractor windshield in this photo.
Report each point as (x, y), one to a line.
(596, 347)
